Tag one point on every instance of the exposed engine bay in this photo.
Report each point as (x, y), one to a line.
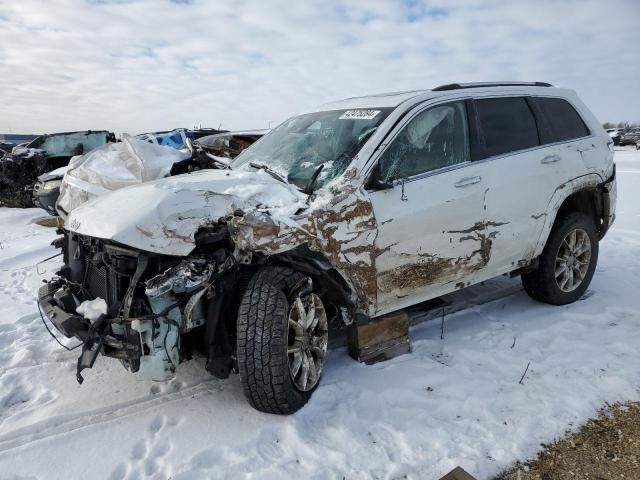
(152, 301)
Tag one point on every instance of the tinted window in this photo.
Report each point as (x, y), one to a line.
(67, 144)
(505, 125)
(559, 120)
(435, 138)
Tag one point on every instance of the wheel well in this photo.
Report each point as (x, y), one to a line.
(332, 286)
(222, 306)
(587, 201)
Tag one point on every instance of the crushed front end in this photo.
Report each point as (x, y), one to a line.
(153, 301)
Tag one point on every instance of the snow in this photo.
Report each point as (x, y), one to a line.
(164, 215)
(113, 166)
(92, 309)
(449, 402)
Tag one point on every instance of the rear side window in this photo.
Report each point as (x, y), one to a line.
(504, 125)
(559, 121)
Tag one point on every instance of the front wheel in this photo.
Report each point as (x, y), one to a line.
(282, 340)
(567, 262)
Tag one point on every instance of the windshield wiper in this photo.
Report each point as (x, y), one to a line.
(269, 170)
(312, 181)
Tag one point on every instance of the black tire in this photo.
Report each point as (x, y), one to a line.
(541, 284)
(262, 342)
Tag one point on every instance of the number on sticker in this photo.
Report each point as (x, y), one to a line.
(359, 114)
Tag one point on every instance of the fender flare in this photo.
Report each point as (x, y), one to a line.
(564, 191)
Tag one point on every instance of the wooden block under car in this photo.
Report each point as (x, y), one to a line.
(458, 473)
(380, 338)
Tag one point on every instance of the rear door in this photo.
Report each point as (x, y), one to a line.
(521, 176)
(562, 127)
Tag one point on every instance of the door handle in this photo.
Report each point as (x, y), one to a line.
(551, 159)
(468, 181)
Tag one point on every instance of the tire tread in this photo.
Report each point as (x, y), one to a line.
(262, 342)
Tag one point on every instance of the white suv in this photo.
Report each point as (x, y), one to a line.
(348, 212)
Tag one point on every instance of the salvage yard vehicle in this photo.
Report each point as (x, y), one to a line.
(630, 138)
(216, 151)
(176, 138)
(46, 190)
(20, 169)
(340, 215)
(615, 134)
(230, 144)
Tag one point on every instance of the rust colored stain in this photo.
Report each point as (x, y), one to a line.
(479, 233)
(429, 269)
(170, 233)
(341, 229)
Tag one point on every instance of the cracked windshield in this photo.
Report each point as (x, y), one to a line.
(318, 144)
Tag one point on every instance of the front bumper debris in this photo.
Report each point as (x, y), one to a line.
(150, 301)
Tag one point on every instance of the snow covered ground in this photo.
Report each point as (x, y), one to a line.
(450, 402)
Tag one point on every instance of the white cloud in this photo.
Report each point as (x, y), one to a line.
(149, 64)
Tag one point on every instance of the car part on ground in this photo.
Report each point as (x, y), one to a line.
(114, 166)
(328, 216)
(20, 169)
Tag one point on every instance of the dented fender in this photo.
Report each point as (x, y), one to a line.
(339, 224)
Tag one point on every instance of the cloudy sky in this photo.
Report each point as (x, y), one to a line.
(140, 65)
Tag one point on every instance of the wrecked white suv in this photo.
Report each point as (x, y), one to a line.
(339, 215)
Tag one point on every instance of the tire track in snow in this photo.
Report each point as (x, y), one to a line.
(62, 424)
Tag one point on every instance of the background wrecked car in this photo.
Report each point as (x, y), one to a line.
(20, 169)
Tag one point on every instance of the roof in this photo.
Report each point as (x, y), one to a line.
(393, 99)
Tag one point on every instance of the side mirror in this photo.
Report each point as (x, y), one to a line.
(376, 182)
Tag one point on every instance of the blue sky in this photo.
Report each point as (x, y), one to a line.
(139, 65)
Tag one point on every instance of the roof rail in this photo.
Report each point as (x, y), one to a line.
(457, 86)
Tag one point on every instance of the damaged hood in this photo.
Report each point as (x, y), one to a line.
(163, 216)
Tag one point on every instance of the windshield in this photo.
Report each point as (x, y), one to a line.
(69, 144)
(299, 147)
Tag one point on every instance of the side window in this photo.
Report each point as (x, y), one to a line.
(505, 125)
(435, 138)
(559, 120)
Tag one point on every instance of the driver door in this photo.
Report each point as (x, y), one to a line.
(429, 209)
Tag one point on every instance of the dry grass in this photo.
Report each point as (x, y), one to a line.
(605, 448)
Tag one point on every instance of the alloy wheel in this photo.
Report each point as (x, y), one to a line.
(572, 260)
(308, 339)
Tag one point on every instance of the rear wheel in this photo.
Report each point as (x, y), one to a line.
(282, 340)
(567, 262)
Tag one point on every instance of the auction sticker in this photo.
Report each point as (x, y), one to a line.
(359, 115)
